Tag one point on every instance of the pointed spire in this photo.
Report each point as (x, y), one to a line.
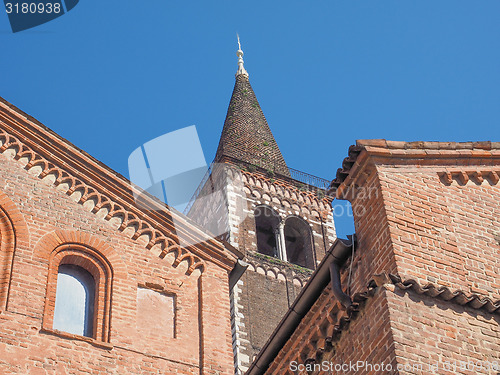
(246, 136)
(239, 53)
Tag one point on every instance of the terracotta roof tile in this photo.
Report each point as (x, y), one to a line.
(459, 297)
(343, 322)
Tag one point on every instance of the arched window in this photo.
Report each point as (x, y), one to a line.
(78, 298)
(298, 240)
(75, 295)
(267, 228)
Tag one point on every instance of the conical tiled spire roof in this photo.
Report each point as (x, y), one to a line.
(246, 136)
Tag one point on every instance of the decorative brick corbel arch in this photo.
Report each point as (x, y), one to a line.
(130, 216)
(13, 234)
(92, 254)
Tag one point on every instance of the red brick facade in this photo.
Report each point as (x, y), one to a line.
(60, 206)
(427, 221)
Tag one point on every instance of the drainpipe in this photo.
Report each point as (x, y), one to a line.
(239, 269)
(335, 266)
(343, 298)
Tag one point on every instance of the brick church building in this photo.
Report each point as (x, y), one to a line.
(91, 282)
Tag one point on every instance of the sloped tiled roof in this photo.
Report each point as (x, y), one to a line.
(458, 297)
(246, 136)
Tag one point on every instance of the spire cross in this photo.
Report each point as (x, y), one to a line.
(239, 53)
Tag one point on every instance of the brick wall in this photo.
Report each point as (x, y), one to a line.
(434, 336)
(427, 223)
(325, 339)
(430, 215)
(40, 219)
(432, 218)
(444, 232)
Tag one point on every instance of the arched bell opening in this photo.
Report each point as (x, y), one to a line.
(298, 241)
(267, 223)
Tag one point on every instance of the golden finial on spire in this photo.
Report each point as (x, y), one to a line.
(239, 53)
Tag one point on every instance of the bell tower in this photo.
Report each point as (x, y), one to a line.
(281, 219)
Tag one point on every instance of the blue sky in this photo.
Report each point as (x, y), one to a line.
(111, 75)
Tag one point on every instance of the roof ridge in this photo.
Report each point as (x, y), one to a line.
(430, 145)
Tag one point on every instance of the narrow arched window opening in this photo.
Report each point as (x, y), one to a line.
(267, 228)
(75, 297)
(298, 241)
